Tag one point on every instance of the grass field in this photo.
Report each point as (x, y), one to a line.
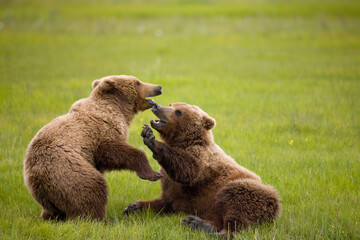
(282, 79)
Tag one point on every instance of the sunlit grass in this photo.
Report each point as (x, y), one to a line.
(281, 79)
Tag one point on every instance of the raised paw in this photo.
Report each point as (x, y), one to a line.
(197, 223)
(147, 132)
(157, 176)
(150, 102)
(148, 137)
(154, 177)
(133, 207)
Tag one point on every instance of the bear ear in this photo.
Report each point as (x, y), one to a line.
(105, 85)
(108, 84)
(209, 123)
(95, 83)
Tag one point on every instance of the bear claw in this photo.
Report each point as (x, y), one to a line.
(133, 207)
(148, 137)
(159, 175)
(152, 177)
(150, 102)
(147, 132)
(197, 223)
(156, 177)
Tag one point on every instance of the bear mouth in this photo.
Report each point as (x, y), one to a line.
(154, 94)
(157, 123)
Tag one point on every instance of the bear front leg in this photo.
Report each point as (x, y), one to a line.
(141, 166)
(179, 165)
(124, 156)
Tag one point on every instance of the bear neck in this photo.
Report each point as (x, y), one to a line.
(118, 108)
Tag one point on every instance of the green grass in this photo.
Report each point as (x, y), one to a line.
(269, 72)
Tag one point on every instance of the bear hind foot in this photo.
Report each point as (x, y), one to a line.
(50, 215)
(197, 223)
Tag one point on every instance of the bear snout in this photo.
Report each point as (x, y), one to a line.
(158, 90)
(153, 91)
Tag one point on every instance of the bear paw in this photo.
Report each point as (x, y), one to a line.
(150, 102)
(154, 177)
(197, 223)
(148, 137)
(133, 207)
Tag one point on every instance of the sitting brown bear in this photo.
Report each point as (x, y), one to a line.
(65, 160)
(200, 179)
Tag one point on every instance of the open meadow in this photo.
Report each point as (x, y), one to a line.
(281, 78)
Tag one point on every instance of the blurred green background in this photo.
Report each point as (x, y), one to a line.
(281, 78)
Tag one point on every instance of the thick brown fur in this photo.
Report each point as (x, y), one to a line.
(65, 160)
(200, 179)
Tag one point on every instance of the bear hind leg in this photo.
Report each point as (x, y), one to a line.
(91, 205)
(244, 202)
(93, 212)
(82, 193)
(89, 198)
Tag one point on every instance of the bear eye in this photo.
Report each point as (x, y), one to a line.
(178, 113)
(138, 83)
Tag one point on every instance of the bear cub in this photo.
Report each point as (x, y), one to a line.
(65, 161)
(200, 179)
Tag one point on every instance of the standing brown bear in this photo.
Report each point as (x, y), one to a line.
(65, 160)
(200, 179)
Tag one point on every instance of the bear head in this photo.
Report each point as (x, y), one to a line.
(126, 90)
(183, 125)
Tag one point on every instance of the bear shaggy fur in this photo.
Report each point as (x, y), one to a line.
(200, 179)
(65, 160)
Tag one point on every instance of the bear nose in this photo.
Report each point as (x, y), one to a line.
(158, 87)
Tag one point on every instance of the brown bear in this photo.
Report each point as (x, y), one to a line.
(65, 161)
(200, 179)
